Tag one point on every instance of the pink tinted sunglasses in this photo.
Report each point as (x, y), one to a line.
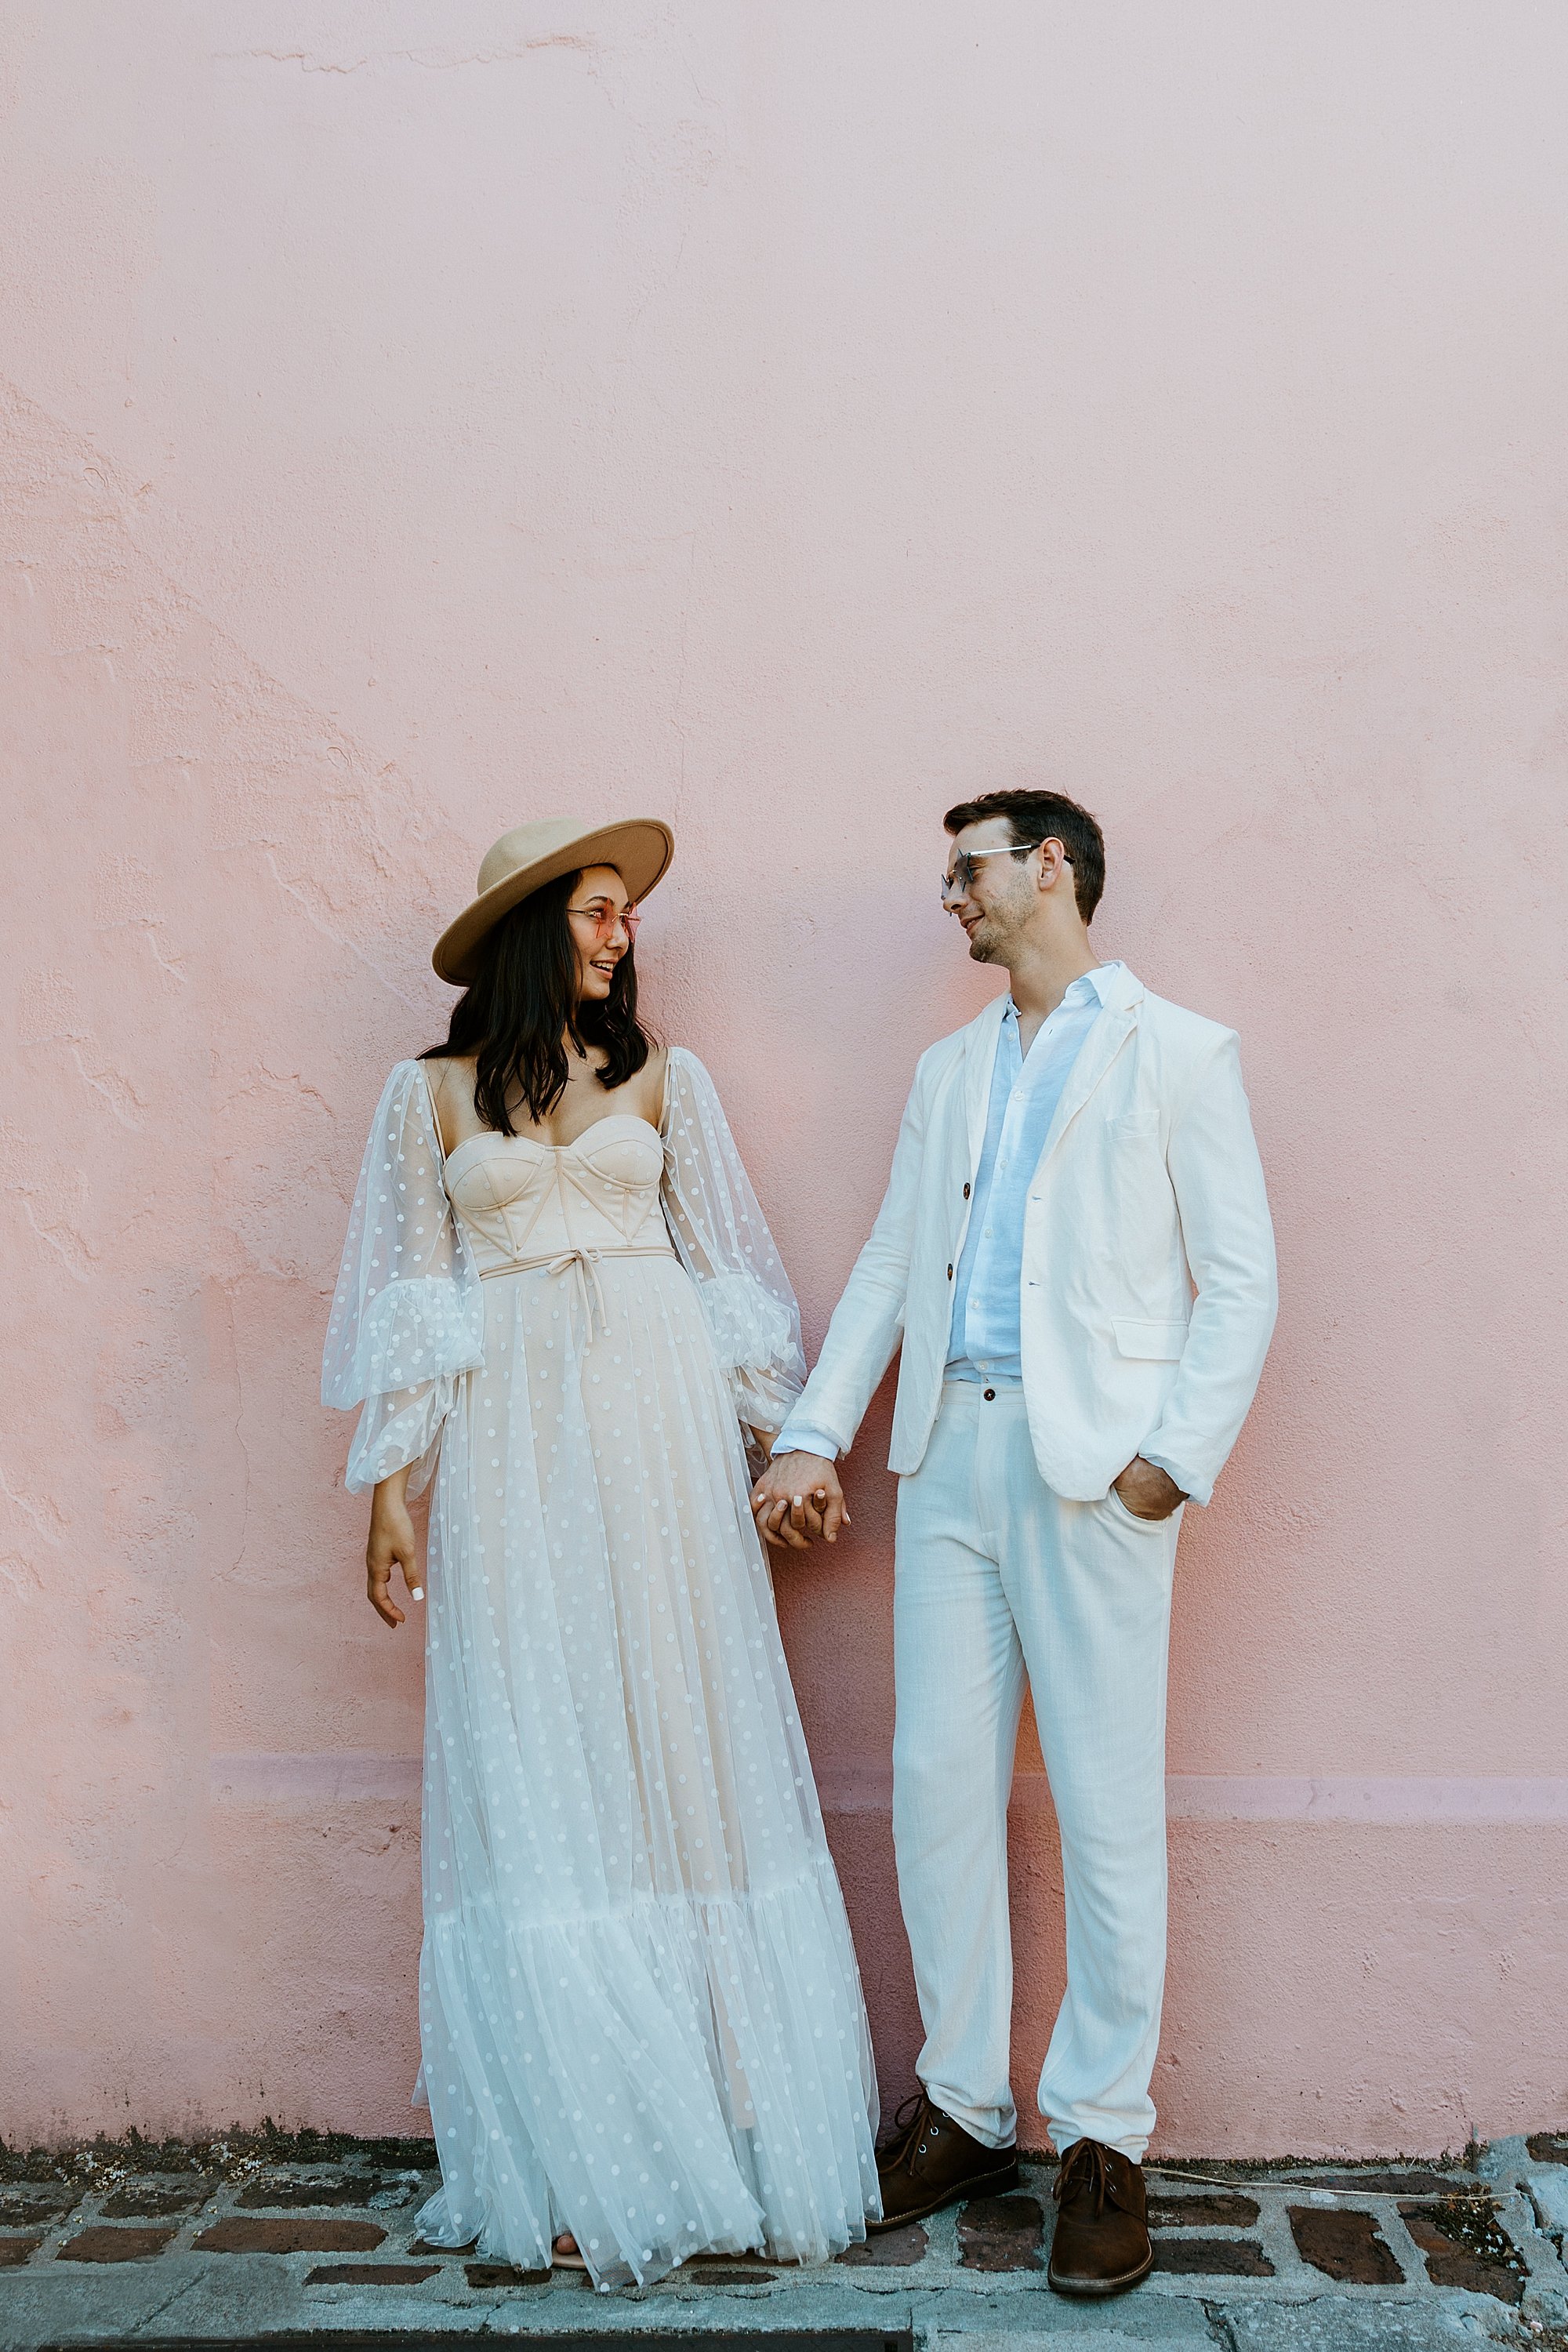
(605, 917)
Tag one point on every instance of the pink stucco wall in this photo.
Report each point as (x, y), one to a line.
(419, 418)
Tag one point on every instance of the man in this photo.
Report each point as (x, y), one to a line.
(1076, 1253)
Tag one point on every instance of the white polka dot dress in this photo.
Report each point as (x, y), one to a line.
(640, 2014)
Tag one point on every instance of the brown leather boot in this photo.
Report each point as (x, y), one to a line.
(931, 2161)
(1101, 2245)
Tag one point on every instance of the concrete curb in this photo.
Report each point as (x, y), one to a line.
(188, 2295)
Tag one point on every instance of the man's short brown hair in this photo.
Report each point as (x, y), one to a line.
(1046, 817)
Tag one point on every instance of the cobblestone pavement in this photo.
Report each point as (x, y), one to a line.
(253, 2242)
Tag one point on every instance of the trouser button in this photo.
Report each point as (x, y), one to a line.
(990, 1396)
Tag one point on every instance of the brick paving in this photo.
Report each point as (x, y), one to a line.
(230, 2244)
(1000, 2234)
(1344, 2245)
(111, 2245)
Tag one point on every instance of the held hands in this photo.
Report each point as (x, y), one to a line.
(797, 1499)
(391, 1545)
(1148, 1492)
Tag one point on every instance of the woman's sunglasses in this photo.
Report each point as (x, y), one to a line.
(605, 919)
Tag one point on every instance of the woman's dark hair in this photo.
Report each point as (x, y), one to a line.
(522, 1004)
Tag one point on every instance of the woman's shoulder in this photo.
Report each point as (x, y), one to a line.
(451, 1079)
(691, 1096)
(401, 1077)
(416, 1096)
(407, 1076)
(685, 1074)
(653, 1085)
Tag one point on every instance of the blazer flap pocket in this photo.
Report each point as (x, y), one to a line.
(1161, 1342)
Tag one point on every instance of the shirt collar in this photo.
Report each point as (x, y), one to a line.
(1078, 991)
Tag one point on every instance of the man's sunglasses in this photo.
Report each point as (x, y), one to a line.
(959, 881)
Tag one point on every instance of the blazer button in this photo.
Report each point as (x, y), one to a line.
(966, 1191)
(950, 1273)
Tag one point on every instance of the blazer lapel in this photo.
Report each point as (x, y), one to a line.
(1117, 1019)
(979, 1062)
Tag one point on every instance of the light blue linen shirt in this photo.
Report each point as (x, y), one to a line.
(985, 1342)
(985, 1338)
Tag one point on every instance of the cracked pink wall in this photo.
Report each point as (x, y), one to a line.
(783, 420)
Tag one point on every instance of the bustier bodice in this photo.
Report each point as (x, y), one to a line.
(522, 1202)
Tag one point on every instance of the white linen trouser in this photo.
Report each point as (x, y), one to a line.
(996, 1575)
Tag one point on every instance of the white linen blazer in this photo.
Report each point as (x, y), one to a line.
(1149, 1289)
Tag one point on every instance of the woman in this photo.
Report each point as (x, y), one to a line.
(642, 2028)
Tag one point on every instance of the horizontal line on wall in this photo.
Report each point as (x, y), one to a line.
(1383, 1801)
(1201, 1796)
(343, 1776)
(358, 1776)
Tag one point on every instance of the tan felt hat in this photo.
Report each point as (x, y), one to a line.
(639, 848)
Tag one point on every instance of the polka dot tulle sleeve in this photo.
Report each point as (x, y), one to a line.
(722, 1240)
(408, 1314)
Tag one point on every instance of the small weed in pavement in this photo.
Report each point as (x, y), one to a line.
(1472, 2222)
(103, 2163)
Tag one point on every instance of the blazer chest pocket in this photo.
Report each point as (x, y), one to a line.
(1135, 1125)
(1159, 1343)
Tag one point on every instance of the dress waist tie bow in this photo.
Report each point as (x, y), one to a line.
(586, 1258)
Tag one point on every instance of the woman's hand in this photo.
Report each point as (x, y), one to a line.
(797, 1499)
(391, 1545)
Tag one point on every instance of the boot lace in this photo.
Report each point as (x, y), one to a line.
(907, 2119)
(1085, 2164)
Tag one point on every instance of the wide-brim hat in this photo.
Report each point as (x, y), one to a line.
(523, 860)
